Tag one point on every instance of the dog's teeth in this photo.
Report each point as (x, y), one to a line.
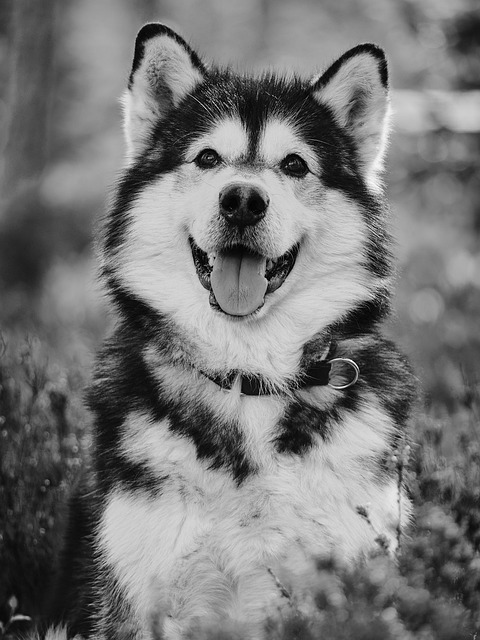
(270, 264)
(211, 258)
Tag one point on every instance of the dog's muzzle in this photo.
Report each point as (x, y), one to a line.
(238, 276)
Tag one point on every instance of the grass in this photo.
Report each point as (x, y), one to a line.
(431, 591)
(44, 438)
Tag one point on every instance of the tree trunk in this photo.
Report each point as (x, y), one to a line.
(31, 74)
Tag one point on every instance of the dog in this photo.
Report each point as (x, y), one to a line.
(247, 405)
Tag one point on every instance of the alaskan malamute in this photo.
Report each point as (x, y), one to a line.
(246, 406)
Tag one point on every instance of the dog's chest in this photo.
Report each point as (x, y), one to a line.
(203, 511)
(214, 547)
(217, 544)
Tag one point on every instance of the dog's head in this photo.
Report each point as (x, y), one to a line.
(250, 201)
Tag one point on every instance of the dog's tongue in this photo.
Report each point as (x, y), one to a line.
(238, 281)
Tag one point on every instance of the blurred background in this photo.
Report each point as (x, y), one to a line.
(64, 63)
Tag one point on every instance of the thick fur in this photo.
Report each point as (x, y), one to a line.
(202, 500)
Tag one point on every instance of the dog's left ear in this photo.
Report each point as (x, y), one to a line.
(355, 88)
(165, 69)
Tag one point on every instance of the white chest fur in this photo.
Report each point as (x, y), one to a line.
(208, 549)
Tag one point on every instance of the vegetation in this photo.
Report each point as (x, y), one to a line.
(44, 438)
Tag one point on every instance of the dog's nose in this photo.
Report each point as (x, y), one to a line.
(242, 205)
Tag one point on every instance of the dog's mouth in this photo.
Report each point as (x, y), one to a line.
(238, 278)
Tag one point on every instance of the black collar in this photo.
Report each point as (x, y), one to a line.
(315, 375)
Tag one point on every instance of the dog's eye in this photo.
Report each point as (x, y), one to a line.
(294, 166)
(207, 159)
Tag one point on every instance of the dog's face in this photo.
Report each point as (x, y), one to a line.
(250, 203)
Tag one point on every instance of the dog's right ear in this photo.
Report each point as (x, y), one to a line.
(165, 69)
